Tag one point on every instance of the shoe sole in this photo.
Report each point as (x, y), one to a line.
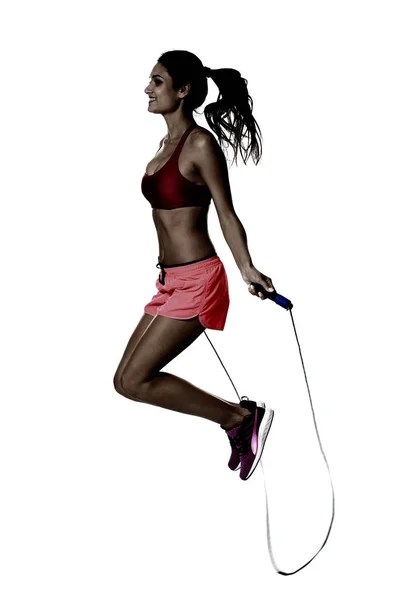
(262, 437)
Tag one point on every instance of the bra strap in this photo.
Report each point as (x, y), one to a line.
(180, 144)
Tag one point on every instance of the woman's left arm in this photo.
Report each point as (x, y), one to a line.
(210, 161)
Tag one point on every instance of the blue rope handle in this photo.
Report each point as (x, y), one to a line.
(277, 298)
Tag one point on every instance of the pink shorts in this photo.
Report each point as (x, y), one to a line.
(199, 288)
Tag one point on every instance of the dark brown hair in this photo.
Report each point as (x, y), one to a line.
(232, 111)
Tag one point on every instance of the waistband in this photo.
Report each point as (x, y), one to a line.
(190, 267)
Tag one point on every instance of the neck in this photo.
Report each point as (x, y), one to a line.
(177, 128)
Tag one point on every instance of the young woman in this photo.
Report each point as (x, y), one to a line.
(192, 289)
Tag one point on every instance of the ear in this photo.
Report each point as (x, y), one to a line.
(184, 90)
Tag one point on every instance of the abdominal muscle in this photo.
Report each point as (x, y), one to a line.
(182, 234)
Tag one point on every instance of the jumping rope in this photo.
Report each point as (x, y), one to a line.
(282, 301)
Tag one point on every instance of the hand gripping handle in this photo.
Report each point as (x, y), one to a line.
(277, 298)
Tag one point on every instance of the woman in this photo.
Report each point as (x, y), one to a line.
(192, 290)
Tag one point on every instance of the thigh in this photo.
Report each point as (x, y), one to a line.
(139, 331)
(165, 339)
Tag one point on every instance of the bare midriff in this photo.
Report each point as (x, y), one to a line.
(182, 234)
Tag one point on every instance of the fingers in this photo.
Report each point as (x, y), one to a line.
(268, 288)
(252, 291)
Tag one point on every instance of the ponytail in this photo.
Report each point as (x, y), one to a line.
(230, 116)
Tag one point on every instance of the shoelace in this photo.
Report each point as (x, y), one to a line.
(241, 441)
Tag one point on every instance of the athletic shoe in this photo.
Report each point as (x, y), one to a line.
(251, 435)
(234, 462)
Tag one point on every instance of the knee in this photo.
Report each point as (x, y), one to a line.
(117, 382)
(123, 386)
(129, 384)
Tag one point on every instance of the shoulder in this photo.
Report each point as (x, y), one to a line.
(204, 144)
(202, 137)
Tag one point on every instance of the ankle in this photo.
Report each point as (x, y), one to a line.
(236, 419)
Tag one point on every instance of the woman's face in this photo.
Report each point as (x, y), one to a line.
(161, 89)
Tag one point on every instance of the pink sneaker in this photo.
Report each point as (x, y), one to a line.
(248, 438)
(234, 462)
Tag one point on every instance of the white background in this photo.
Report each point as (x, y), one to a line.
(103, 497)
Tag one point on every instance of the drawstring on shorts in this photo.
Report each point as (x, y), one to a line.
(162, 275)
(162, 266)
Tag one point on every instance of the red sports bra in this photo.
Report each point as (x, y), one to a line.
(168, 188)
